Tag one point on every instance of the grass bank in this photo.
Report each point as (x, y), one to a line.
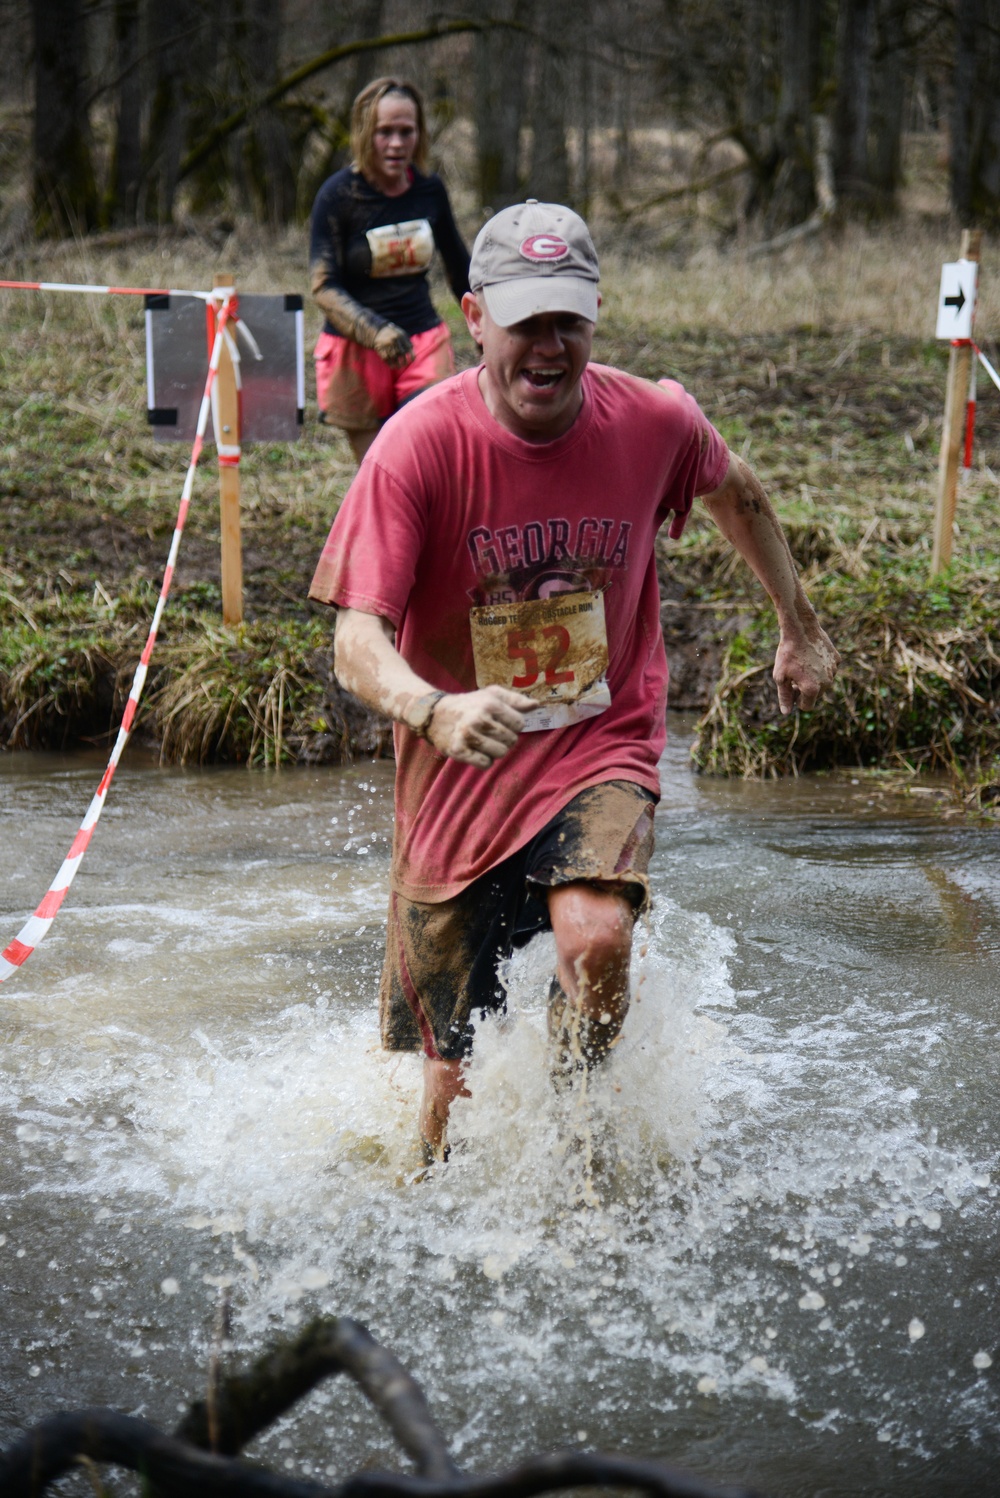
(838, 409)
(844, 431)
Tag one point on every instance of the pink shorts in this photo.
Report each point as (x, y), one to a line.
(357, 390)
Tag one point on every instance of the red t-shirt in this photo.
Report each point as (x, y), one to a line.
(449, 511)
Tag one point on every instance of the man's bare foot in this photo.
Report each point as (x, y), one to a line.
(430, 1156)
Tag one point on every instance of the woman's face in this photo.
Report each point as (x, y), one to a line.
(395, 142)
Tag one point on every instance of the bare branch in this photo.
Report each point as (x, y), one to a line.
(548, 1474)
(143, 58)
(175, 1469)
(178, 1470)
(178, 1466)
(690, 189)
(232, 122)
(826, 198)
(248, 1403)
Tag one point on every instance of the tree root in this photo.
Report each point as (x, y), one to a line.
(180, 1466)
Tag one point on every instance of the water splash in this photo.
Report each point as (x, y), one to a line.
(775, 1195)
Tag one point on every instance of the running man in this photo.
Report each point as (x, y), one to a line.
(493, 567)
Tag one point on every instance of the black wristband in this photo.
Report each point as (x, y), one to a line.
(420, 714)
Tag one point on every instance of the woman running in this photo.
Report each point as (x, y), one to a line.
(374, 228)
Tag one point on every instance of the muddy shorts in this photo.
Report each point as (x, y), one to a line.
(441, 961)
(356, 390)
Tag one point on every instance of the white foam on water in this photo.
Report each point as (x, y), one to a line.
(741, 1218)
(716, 1214)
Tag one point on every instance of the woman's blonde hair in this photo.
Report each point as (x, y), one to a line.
(364, 116)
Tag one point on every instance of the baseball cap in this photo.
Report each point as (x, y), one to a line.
(535, 257)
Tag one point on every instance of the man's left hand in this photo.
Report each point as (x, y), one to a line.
(805, 663)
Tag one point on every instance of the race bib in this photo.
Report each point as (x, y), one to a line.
(401, 249)
(553, 649)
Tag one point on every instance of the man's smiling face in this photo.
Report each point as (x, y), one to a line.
(532, 371)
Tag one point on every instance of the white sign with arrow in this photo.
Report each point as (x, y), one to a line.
(957, 299)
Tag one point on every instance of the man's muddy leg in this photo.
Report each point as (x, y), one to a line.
(593, 931)
(443, 1083)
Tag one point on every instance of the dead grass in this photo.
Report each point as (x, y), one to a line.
(224, 694)
(918, 689)
(261, 694)
(877, 280)
(872, 280)
(819, 364)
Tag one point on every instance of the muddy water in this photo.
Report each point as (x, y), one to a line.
(787, 1269)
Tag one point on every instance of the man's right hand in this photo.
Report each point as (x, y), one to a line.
(479, 727)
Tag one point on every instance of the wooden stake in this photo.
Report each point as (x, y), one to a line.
(227, 436)
(959, 365)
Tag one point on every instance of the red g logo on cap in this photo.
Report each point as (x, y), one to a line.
(543, 247)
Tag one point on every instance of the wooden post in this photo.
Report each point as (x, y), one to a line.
(959, 367)
(226, 410)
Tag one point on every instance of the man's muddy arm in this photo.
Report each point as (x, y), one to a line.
(474, 727)
(806, 660)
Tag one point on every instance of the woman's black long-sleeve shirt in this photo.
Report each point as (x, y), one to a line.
(375, 251)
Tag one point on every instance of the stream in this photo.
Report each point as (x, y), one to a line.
(761, 1243)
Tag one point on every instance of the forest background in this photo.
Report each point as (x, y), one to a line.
(773, 188)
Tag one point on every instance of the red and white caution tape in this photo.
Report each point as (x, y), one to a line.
(100, 290)
(16, 954)
(987, 366)
(970, 403)
(970, 416)
(214, 298)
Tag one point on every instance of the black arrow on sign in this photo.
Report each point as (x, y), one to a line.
(958, 302)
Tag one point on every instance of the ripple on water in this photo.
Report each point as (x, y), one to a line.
(736, 1227)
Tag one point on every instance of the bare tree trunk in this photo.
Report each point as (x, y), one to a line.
(174, 51)
(778, 136)
(889, 103)
(852, 117)
(986, 177)
(367, 65)
(363, 21)
(623, 125)
(64, 186)
(271, 168)
(584, 116)
(126, 170)
(754, 118)
(755, 105)
(795, 191)
(548, 179)
(499, 103)
(966, 25)
(975, 132)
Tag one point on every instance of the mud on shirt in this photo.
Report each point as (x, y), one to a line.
(452, 513)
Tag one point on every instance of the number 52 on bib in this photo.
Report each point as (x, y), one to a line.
(552, 649)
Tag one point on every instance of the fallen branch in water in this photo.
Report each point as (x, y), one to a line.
(248, 1403)
(179, 1466)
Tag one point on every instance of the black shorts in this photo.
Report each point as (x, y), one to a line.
(442, 959)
